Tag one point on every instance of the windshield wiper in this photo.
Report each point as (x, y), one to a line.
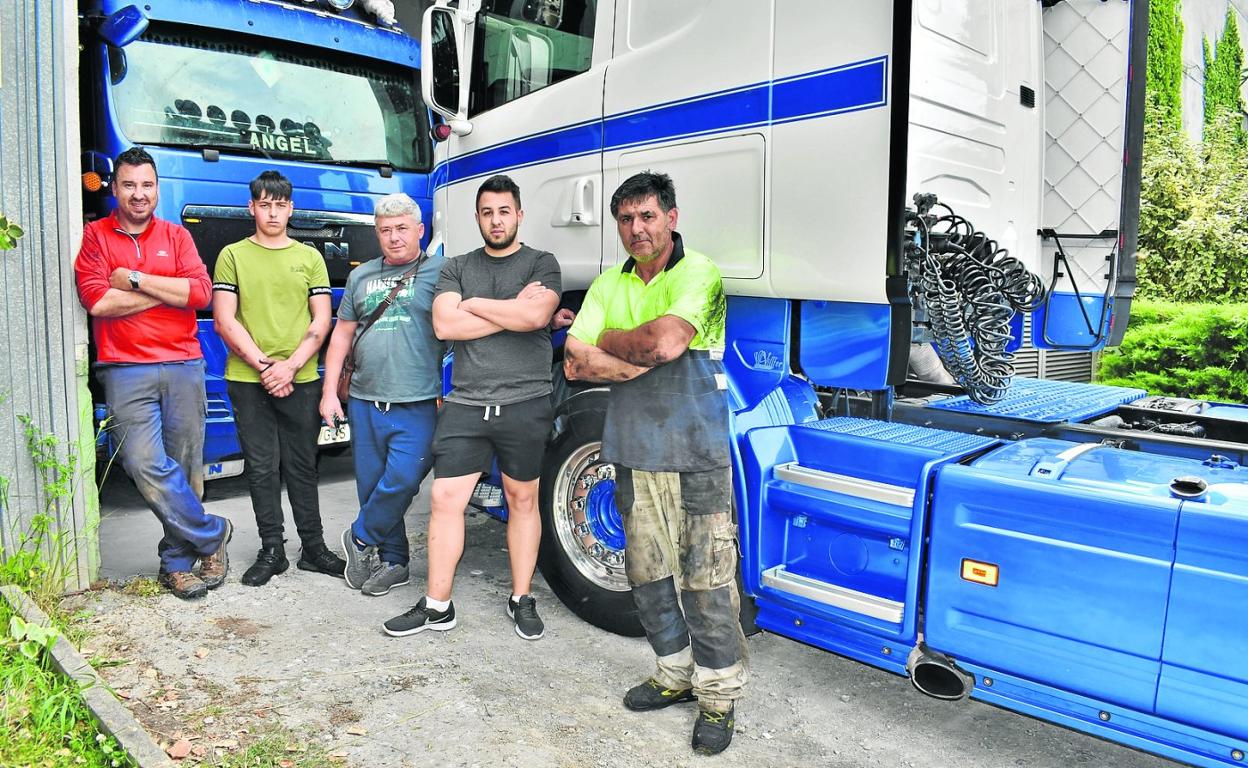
(384, 166)
(200, 146)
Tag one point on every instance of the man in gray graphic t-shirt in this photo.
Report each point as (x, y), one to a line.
(494, 305)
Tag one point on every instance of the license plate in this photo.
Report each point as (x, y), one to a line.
(334, 435)
(223, 469)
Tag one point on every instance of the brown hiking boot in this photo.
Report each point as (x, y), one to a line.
(184, 584)
(214, 567)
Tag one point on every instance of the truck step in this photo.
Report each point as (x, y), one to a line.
(780, 578)
(486, 495)
(857, 487)
(1047, 402)
(942, 441)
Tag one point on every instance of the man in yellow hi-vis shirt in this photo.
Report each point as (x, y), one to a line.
(654, 328)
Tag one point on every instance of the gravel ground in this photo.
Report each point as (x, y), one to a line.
(306, 655)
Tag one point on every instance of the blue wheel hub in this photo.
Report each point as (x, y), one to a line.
(602, 517)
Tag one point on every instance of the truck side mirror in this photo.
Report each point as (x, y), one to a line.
(445, 65)
(123, 26)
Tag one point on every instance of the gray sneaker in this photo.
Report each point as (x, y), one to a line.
(360, 562)
(385, 576)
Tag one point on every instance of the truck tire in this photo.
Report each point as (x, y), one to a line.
(582, 551)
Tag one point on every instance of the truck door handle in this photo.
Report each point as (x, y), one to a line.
(583, 202)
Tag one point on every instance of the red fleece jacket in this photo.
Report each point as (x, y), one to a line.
(157, 335)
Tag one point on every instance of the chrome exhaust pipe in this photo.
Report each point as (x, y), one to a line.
(936, 675)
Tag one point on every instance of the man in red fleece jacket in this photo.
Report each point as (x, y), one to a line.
(141, 280)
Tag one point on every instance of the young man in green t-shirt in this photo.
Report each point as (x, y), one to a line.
(271, 305)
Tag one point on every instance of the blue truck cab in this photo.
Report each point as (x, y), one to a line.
(220, 90)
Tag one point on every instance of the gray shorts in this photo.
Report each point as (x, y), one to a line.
(469, 437)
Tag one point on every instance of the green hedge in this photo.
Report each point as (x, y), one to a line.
(1183, 350)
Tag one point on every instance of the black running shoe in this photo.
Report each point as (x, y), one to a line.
(318, 559)
(524, 612)
(420, 618)
(653, 695)
(712, 731)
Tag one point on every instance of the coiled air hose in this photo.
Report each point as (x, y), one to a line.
(969, 288)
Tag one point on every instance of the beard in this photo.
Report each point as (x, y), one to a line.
(502, 242)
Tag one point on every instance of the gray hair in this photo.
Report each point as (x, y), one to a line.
(398, 204)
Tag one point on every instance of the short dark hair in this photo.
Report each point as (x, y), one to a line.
(135, 156)
(639, 186)
(499, 183)
(271, 184)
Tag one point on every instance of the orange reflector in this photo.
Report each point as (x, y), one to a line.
(980, 573)
(92, 182)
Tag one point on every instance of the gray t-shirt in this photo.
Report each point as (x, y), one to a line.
(399, 360)
(506, 367)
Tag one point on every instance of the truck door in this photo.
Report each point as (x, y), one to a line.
(1094, 58)
(532, 86)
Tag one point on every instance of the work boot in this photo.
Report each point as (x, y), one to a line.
(712, 731)
(653, 695)
(269, 562)
(184, 584)
(214, 567)
(317, 558)
(360, 561)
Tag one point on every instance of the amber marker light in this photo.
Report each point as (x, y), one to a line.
(980, 573)
(92, 182)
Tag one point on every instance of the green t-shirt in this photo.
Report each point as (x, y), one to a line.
(689, 288)
(273, 286)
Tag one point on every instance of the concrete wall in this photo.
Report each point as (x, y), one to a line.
(43, 333)
(1203, 18)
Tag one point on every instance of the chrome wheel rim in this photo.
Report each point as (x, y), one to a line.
(587, 524)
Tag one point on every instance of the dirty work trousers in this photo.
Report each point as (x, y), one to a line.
(278, 437)
(390, 442)
(157, 413)
(681, 560)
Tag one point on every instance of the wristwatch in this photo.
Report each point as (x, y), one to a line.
(135, 276)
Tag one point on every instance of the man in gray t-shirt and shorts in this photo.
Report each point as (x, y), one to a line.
(494, 304)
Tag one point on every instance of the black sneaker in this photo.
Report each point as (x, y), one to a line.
(420, 618)
(712, 731)
(524, 612)
(319, 559)
(653, 695)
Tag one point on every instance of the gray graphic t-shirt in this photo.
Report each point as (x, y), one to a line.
(506, 367)
(399, 360)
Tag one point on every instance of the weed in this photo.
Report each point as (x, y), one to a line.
(43, 721)
(278, 748)
(143, 586)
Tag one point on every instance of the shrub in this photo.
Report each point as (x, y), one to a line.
(1183, 350)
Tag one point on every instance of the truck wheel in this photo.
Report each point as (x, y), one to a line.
(582, 552)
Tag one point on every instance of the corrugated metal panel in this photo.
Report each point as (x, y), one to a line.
(43, 335)
(1066, 366)
(1027, 362)
(1051, 364)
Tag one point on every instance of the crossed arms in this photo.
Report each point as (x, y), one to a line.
(458, 319)
(624, 355)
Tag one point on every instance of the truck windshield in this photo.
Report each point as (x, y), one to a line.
(266, 97)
